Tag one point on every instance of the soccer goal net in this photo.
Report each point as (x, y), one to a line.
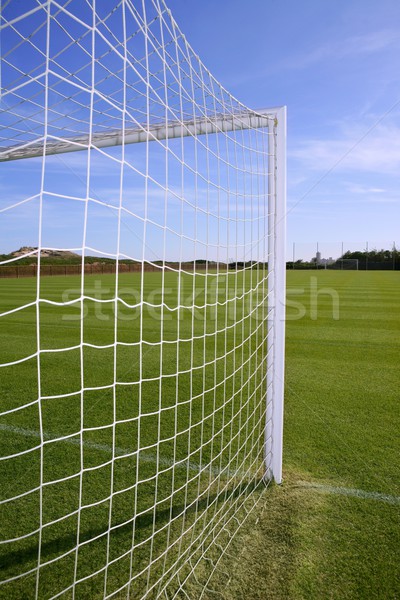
(142, 276)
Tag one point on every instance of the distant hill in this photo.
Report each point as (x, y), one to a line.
(59, 254)
(28, 255)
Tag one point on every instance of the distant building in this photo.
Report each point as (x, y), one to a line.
(318, 260)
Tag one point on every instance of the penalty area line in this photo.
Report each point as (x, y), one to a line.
(352, 492)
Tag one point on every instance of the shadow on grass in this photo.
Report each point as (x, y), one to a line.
(143, 522)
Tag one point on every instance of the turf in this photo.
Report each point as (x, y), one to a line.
(174, 474)
(330, 531)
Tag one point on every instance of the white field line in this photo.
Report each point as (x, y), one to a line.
(352, 492)
(183, 464)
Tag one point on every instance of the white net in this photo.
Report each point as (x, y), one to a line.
(137, 383)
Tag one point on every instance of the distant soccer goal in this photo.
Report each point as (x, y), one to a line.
(142, 228)
(344, 264)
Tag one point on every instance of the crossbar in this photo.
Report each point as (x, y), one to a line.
(141, 133)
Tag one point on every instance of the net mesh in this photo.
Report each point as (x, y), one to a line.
(135, 312)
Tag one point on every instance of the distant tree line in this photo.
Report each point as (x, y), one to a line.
(376, 259)
(367, 260)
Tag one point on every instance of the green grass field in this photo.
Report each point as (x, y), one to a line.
(330, 531)
(177, 441)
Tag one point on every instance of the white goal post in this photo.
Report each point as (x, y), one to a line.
(143, 390)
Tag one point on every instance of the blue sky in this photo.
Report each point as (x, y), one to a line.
(335, 64)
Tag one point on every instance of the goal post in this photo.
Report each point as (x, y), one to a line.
(277, 274)
(142, 364)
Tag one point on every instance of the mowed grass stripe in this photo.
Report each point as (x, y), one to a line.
(333, 536)
(343, 378)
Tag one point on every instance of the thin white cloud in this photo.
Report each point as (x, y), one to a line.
(369, 43)
(358, 46)
(364, 189)
(376, 152)
(386, 199)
